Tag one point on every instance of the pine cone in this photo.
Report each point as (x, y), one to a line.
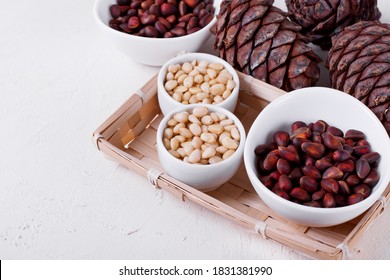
(359, 64)
(321, 19)
(259, 40)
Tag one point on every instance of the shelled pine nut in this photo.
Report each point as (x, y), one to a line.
(199, 136)
(199, 82)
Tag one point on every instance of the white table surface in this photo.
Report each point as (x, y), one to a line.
(60, 198)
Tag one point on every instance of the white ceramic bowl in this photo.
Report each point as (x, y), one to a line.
(337, 109)
(167, 103)
(202, 177)
(149, 51)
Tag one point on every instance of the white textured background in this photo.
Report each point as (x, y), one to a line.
(59, 197)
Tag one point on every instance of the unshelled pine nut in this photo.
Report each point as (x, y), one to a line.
(200, 136)
(199, 78)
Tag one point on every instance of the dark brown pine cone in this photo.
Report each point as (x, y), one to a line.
(321, 19)
(359, 64)
(259, 40)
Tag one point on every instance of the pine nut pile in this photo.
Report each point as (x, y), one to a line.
(201, 137)
(199, 82)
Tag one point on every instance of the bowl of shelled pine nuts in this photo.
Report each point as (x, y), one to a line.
(201, 145)
(193, 78)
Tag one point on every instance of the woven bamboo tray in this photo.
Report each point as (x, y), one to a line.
(129, 137)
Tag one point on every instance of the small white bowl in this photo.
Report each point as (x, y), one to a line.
(149, 51)
(202, 177)
(336, 108)
(167, 103)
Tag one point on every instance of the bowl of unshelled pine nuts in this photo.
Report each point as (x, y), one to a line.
(318, 157)
(193, 78)
(152, 31)
(201, 146)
